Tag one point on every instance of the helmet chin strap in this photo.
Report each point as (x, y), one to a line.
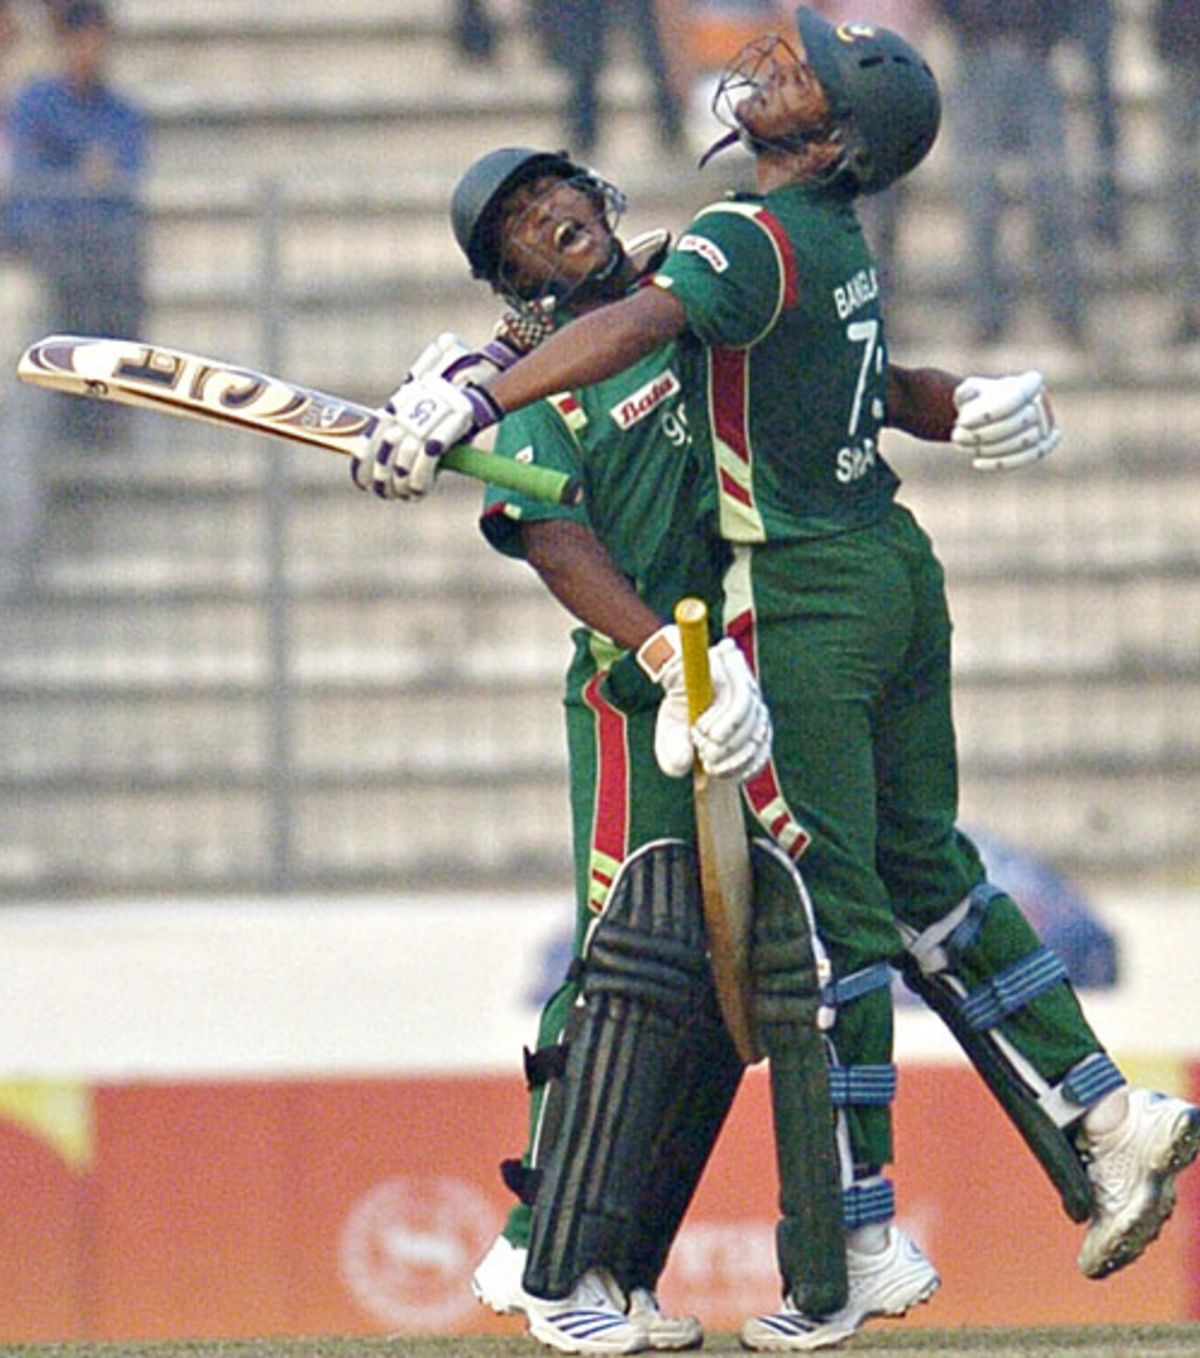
(722, 143)
(757, 146)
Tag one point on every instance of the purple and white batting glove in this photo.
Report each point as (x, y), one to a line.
(1004, 422)
(420, 421)
(453, 358)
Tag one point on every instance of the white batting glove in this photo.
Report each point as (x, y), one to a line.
(454, 359)
(1004, 422)
(418, 424)
(732, 737)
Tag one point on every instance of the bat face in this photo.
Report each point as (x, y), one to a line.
(156, 377)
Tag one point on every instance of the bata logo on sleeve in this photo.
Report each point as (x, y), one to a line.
(637, 405)
(711, 254)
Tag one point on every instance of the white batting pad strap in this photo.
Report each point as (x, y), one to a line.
(925, 948)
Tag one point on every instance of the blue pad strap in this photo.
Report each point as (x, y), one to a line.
(1012, 988)
(857, 984)
(862, 1086)
(867, 1202)
(1087, 1082)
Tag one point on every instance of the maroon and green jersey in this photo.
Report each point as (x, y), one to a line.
(786, 376)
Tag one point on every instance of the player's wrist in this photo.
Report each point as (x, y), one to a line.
(659, 654)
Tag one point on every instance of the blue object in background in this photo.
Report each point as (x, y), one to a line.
(1056, 909)
(1062, 916)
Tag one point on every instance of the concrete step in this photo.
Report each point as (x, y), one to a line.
(194, 738)
(1007, 631)
(1142, 825)
(422, 729)
(421, 833)
(162, 532)
(353, 829)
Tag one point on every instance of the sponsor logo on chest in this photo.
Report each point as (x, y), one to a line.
(638, 404)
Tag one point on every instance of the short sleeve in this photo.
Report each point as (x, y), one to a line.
(726, 272)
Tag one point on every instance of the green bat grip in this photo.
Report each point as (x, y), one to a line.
(541, 483)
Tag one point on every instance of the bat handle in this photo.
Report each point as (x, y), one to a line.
(541, 483)
(691, 617)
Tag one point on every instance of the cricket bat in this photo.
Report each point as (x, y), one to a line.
(725, 878)
(154, 377)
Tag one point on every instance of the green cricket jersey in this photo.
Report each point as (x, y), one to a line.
(782, 296)
(628, 441)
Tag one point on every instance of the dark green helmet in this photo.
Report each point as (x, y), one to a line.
(480, 193)
(883, 95)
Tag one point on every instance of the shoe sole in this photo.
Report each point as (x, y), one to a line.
(807, 1343)
(666, 1342)
(1144, 1229)
(563, 1343)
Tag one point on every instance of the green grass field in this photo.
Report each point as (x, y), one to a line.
(1100, 1341)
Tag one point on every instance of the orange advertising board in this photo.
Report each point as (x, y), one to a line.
(240, 1208)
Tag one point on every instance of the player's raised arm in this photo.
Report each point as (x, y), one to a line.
(599, 345)
(431, 414)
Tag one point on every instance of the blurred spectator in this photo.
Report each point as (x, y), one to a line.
(474, 30)
(880, 213)
(10, 32)
(581, 36)
(78, 158)
(1009, 107)
(20, 490)
(1177, 35)
(1092, 24)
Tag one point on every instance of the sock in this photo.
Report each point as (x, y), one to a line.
(1107, 1115)
(871, 1239)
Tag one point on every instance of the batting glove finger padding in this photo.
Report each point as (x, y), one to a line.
(453, 359)
(1004, 422)
(733, 737)
(424, 418)
(672, 733)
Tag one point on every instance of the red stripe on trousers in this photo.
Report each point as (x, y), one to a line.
(610, 812)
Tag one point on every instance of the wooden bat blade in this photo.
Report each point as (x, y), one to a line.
(728, 893)
(726, 881)
(191, 386)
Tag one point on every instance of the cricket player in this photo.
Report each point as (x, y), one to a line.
(836, 597)
(542, 231)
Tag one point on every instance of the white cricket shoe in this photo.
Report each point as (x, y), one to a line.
(884, 1284)
(496, 1281)
(589, 1320)
(1132, 1171)
(663, 1331)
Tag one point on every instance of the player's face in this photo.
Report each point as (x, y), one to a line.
(773, 92)
(553, 231)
